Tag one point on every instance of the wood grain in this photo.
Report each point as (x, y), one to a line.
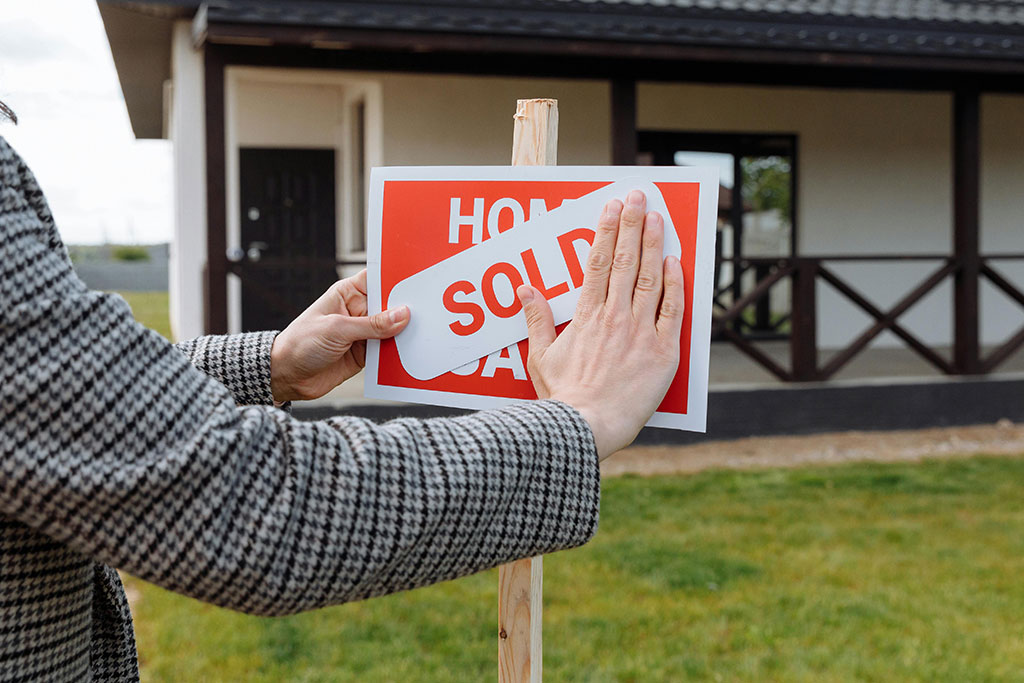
(520, 605)
(535, 136)
(520, 583)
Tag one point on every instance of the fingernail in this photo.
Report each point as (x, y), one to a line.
(654, 218)
(635, 198)
(397, 315)
(613, 208)
(525, 294)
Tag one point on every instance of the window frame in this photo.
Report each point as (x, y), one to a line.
(663, 144)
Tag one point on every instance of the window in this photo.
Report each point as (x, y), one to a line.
(756, 224)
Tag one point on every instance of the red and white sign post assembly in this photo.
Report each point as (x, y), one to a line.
(454, 243)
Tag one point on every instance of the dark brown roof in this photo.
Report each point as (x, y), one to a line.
(976, 29)
(991, 28)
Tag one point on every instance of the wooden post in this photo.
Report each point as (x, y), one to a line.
(803, 343)
(736, 218)
(520, 583)
(535, 135)
(966, 203)
(623, 95)
(216, 284)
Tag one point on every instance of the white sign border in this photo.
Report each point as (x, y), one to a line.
(695, 418)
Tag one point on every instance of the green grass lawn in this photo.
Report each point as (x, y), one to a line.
(150, 309)
(859, 572)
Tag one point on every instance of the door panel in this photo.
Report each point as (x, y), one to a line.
(288, 232)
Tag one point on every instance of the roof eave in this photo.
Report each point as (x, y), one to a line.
(616, 57)
(140, 35)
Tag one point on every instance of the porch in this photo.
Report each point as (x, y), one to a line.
(961, 273)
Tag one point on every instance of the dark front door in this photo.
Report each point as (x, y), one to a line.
(288, 232)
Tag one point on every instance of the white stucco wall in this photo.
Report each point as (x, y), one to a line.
(873, 177)
(187, 132)
(431, 120)
(1002, 208)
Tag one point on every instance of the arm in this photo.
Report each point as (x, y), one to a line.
(112, 443)
(133, 457)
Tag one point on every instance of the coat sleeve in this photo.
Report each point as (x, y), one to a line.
(241, 362)
(114, 444)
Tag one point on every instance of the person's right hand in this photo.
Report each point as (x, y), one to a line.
(616, 359)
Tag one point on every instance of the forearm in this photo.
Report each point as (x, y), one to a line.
(356, 510)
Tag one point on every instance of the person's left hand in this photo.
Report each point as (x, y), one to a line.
(326, 344)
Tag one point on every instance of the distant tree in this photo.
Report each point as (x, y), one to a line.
(766, 184)
(129, 252)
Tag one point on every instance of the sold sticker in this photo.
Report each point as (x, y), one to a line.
(453, 244)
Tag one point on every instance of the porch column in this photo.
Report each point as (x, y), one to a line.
(623, 92)
(803, 343)
(215, 286)
(966, 209)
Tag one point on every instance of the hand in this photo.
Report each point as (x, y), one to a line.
(616, 359)
(326, 344)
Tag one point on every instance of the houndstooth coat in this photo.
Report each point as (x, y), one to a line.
(119, 450)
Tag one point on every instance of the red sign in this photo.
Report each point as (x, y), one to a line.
(417, 224)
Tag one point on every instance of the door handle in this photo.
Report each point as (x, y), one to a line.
(255, 250)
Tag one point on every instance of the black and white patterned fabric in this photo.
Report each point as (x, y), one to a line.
(116, 451)
(241, 362)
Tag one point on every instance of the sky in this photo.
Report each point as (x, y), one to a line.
(57, 74)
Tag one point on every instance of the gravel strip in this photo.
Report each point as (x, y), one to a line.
(1002, 438)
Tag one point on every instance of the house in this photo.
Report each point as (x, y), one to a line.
(887, 136)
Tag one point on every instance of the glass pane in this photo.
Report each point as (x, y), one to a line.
(767, 205)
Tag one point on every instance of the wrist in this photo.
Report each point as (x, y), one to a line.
(280, 388)
(600, 441)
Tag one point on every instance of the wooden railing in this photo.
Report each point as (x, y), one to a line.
(1010, 346)
(731, 320)
(803, 273)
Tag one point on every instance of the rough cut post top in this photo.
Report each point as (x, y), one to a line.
(523, 104)
(535, 137)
